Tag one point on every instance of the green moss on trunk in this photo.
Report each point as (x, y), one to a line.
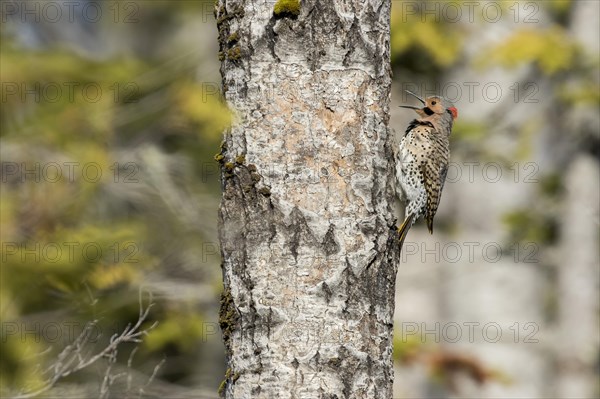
(287, 8)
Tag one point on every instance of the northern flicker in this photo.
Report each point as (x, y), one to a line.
(422, 161)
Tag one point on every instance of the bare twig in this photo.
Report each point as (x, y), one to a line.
(152, 376)
(129, 363)
(74, 358)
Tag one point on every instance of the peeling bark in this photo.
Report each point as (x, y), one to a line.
(306, 221)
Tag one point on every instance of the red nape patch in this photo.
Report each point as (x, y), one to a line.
(454, 112)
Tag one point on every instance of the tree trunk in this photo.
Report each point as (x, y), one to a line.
(306, 221)
(579, 300)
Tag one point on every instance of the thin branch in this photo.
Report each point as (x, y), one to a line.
(129, 363)
(152, 376)
(108, 379)
(72, 359)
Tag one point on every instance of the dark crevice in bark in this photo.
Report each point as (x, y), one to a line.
(315, 359)
(231, 51)
(311, 58)
(349, 279)
(330, 246)
(326, 291)
(270, 36)
(346, 370)
(242, 212)
(301, 232)
(352, 43)
(269, 322)
(320, 17)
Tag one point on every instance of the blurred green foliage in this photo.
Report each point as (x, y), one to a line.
(423, 42)
(537, 223)
(78, 247)
(551, 50)
(530, 226)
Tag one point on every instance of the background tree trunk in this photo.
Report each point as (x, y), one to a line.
(306, 219)
(578, 311)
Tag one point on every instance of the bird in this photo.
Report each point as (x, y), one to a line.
(422, 160)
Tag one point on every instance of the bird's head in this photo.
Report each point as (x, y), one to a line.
(434, 105)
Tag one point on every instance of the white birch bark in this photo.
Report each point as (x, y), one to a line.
(578, 283)
(306, 221)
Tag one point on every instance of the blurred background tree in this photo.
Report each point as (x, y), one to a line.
(122, 101)
(524, 182)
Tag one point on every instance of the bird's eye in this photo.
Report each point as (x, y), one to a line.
(433, 103)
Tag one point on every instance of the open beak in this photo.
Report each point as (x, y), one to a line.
(412, 106)
(415, 96)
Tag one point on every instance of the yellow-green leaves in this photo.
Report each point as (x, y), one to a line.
(182, 330)
(551, 50)
(585, 92)
(440, 41)
(201, 104)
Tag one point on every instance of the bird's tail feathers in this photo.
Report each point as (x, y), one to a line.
(430, 225)
(403, 230)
